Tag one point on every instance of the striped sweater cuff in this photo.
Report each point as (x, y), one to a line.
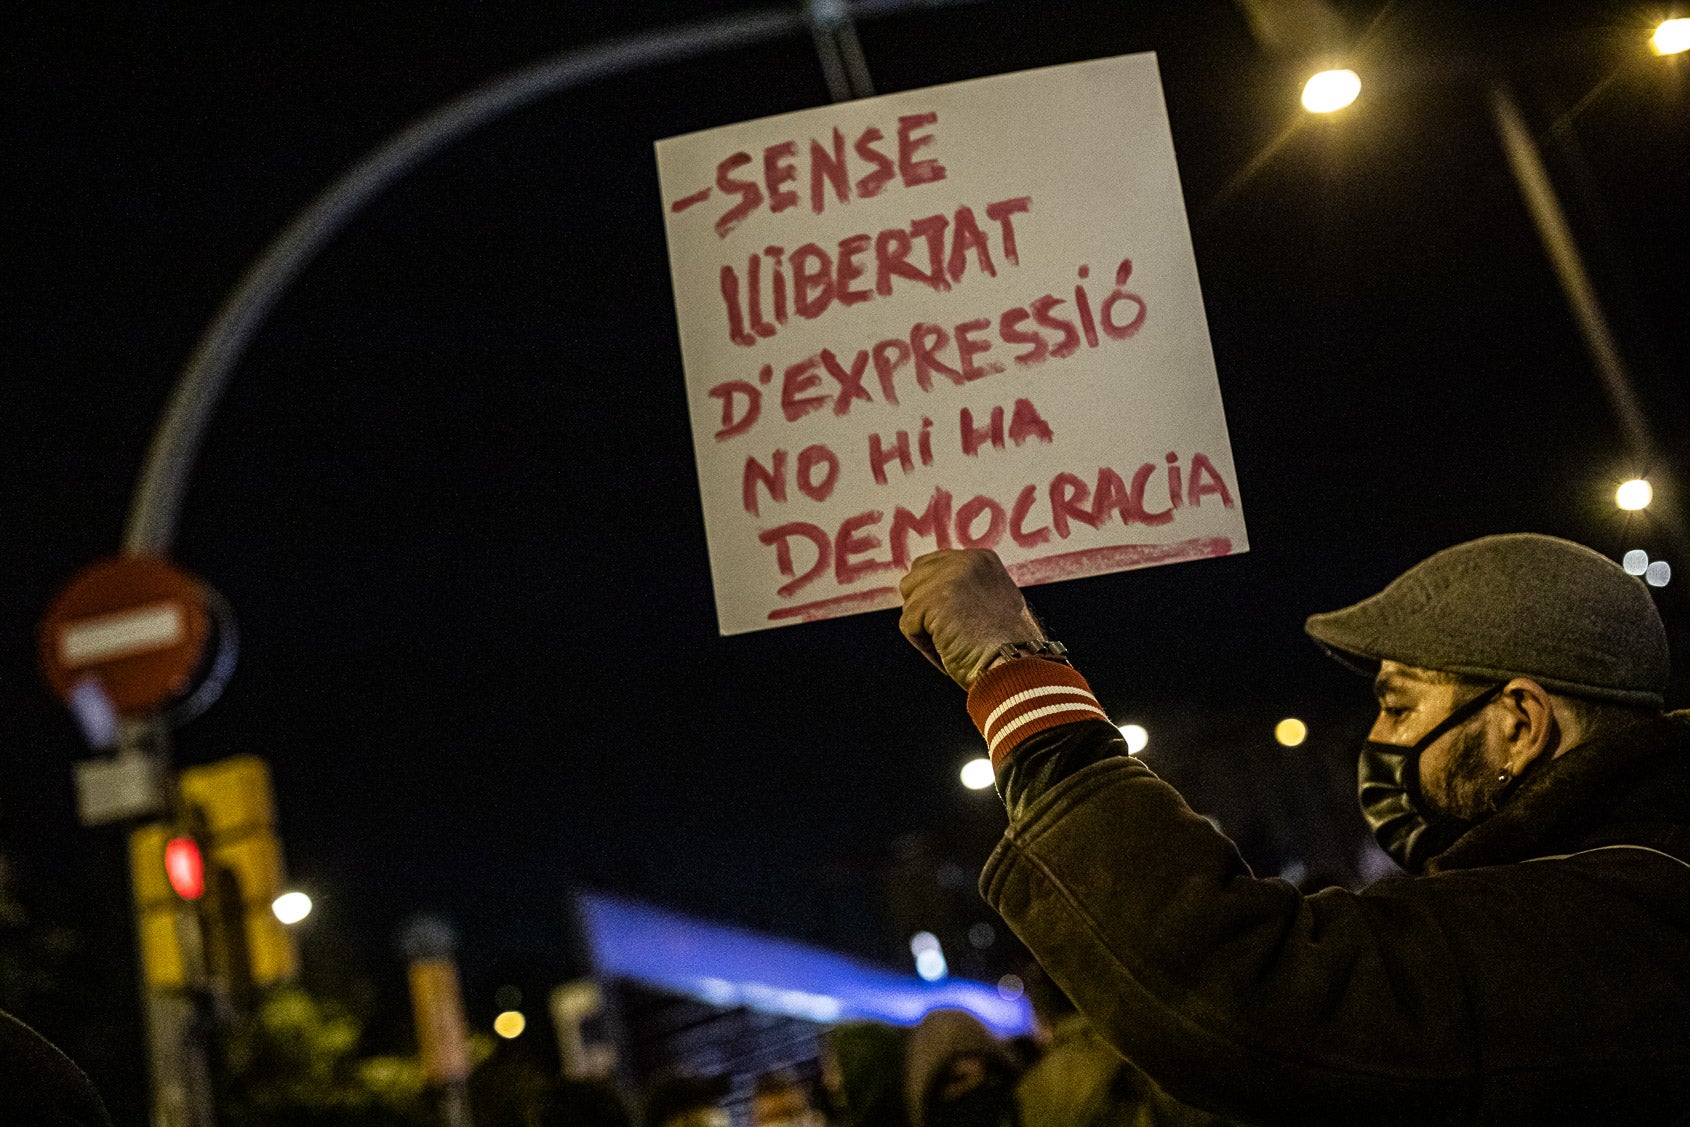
(1025, 696)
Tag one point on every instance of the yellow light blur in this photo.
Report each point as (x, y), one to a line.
(509, 1024)
(1672, 37)
(1330, 90)
(1634, 494)
(977, 774)
(291, 907)
(1137, 738)
(1290, 731)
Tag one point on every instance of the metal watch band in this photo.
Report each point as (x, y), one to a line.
(1055, 651)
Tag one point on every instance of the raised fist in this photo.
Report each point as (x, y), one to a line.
(960, 607)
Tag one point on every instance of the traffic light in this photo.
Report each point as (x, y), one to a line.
(206, 883)
(185, 867)
(230, 804)
(165, 922)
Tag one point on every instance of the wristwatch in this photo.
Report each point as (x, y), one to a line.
(1054, 651)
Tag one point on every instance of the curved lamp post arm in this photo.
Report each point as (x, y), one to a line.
(156, 504)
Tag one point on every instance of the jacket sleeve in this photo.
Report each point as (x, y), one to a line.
(1234, 994)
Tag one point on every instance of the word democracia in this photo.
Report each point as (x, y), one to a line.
(855, 549)
(1042, 330)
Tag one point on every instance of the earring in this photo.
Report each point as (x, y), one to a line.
(1503, 778)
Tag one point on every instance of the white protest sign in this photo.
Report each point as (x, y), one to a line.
(966, 316)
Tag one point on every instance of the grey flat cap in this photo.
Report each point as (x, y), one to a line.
(1520, 605)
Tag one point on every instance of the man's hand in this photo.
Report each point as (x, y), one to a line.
(960, 607)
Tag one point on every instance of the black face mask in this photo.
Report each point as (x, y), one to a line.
(1388, 778)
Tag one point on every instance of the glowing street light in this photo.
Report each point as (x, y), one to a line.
(291, 907)
(1634, 494)
(1290, 732)
(1137, 738)
(1330, 90)
(977, 774)
(1672, 37)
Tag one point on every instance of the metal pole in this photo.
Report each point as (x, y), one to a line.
(178, 1057)
(1526, 163)
(839, 50)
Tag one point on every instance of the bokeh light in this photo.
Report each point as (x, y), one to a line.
(291, 907)
(1658, 574)
(1635, 562)
(929, 958)
(1634, 494)
(977, 774)
(1330, 90)
(1010, 987)
(1290, 731)
(510, 1024)
(1137, 738)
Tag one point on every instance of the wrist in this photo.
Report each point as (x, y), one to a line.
(1007, 652)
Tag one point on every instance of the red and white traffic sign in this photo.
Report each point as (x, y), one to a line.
(137, 624)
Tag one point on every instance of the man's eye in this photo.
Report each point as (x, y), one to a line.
(1393, 712)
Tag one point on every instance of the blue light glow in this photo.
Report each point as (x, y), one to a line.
(728, 966)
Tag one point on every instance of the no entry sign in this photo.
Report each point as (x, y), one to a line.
(136, 623)
(966, 316)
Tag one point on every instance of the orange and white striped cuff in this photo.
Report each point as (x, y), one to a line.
(1025, 696)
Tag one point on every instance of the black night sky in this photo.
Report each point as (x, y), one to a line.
(450, 493)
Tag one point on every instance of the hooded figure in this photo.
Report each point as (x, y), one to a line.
(956, 1074)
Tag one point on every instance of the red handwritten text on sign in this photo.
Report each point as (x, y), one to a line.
(950, 318)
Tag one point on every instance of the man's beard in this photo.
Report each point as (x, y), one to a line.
(1464, 792)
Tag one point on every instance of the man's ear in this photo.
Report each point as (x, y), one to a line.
(1530, 729)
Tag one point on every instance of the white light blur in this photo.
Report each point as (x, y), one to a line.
(930, 965)
(1290, 731)
(1658, 574)
(1137, 738)
(1672, 37)
(291, 907)
(1010, 987)
(982, 935)
(1634, 494)
(923, 941)
(1330, 90)
(977, 774)
(1635, 562)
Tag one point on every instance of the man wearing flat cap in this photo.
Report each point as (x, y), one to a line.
(1536, 967)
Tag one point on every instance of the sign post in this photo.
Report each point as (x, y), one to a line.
(125, 639)
(966, 316)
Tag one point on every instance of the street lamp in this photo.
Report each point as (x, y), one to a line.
(1330, 90)
(1634, 495)
(1672, 37)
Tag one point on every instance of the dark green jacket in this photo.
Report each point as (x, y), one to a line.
(1499, 989)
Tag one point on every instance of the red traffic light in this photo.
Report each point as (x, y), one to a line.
(185, 868)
